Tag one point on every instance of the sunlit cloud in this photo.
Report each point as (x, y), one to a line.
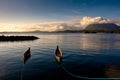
(11, 28)
(56, 26)
(89, 20)
(74, 24)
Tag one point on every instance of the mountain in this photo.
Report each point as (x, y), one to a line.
(105, 27)
(38, 31)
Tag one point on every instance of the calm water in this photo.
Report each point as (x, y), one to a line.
(88, 55)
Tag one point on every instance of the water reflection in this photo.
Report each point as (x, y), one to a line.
(92, 69)
(2, 72)
(43, 66)
(112, 71)
(98, 42)
(86, 41)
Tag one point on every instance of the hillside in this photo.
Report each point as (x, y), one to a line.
(105, 27)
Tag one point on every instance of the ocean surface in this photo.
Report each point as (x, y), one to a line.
(86, 55)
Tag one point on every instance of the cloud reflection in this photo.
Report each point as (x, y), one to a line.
(112, 71)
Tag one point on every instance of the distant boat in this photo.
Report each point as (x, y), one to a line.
(58, 55)
(27, 55)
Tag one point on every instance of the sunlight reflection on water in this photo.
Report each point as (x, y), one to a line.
(92, 55)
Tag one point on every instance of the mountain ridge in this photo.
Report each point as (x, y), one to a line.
(105, 27)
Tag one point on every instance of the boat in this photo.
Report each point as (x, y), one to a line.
(58, 55)
(27, 55)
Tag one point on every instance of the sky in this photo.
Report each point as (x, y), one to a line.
(51, 15)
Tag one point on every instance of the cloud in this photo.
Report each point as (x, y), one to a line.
(55, 26)
(89, 20)
(75, 24)
(116, 21)
(11, 28)
(50, 26)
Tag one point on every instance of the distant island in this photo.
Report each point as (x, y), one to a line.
(17, 38)
(105, 26)
(96, 28)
